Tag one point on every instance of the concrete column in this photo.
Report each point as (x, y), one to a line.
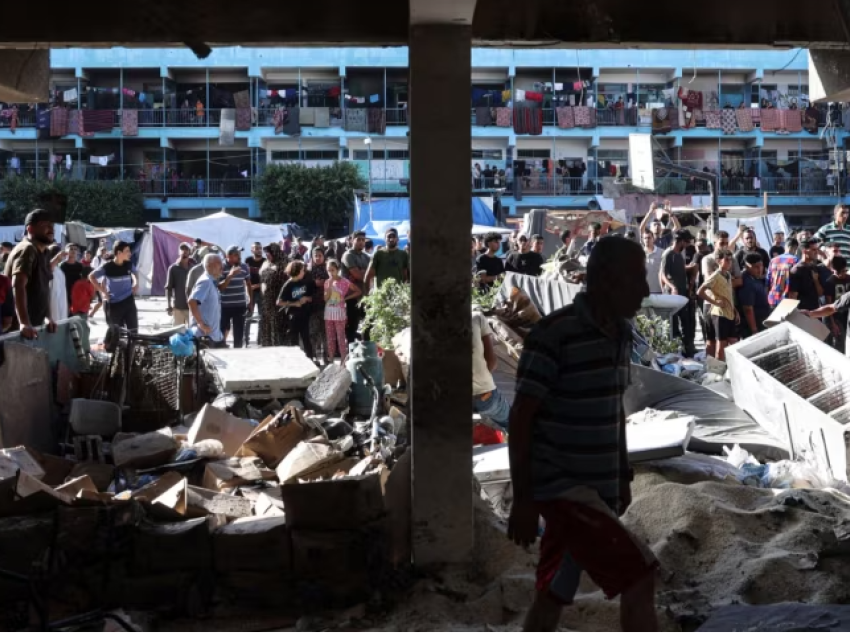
(24, 75)
(829, 75)
(441, 219)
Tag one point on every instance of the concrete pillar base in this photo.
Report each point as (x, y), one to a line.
(24, 75)
(441, 221)
(829, 75)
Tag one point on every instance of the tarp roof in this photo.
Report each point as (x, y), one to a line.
(398, 209)
(224, 230)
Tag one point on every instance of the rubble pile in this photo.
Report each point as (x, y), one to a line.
(303, 508)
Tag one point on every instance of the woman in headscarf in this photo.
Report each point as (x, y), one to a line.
(318, 335)
(272, 278)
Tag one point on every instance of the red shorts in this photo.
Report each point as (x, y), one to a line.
(583, 534)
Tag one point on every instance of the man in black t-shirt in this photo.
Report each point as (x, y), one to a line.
(490, 266)
(808, 278)
(72, 268)
(528, 262)
(751, 247)
(778, 247)
(254, 263)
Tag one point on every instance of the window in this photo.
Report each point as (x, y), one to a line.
(487, 154)
(363, 155)
(531, 153)
(652, 94)
(732, 94)
(299, 155)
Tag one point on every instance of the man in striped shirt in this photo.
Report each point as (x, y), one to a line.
(837, 231)
(235, 288)
(567, 445)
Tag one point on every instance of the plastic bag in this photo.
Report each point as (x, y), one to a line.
(182, 345)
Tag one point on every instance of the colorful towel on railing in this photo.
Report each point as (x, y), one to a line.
(769, 120)
(585, 116)
(756, 115)
(278, 119)
(728, 121)
(503, 117)
(528, 119)
(532, 96)
(661, 121)
(745, 119)
(59, 122)
(713, 120)
(566, 117)
(356, 120)
(74, 122)
(692, 100)
(243, 119)
(645, 117)
(323, 118)
(95, 121)
(793, 121)
(227, 127)
(130, 123)
(377, 121)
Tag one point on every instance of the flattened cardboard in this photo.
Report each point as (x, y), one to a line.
(230, 473)
(22, 456)
(213, 423)
(786, 311)
(166, 497)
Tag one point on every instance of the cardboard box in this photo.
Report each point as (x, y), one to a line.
(786, 311)
(213, 423)
(275, 438)
(170, 547)
(306, 458)
(230, 473)
(25, 460)
(341, 504)
(166, 497)
(253, 544)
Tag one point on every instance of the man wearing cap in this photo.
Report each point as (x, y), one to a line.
(29, 268)
(390, 263)
(175, 286)
(235, 288)
(674, 280)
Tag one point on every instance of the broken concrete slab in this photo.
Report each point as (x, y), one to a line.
(213, 423)
(330, 389)
(144, 451)
(201, 502)
(264, 373)
(253, 544)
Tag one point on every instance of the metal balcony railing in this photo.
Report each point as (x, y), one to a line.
(396, 116)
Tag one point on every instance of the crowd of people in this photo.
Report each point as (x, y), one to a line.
(301, 297)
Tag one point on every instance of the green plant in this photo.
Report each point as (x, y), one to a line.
(486, 299)
(656, 331)
(387, 312)
(309, 195)
(99, 203)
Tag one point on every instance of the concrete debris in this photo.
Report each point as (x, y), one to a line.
(330, 389)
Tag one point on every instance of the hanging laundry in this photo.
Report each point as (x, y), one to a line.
(503, 117)
(243, 119)
(323, 118)
(42, 120)
(661, 121)
(334, 91)
(713, 120)
(645, 117)
(533, 96)
(769, 119)
(68, 163)
(242, 99)
(585, 116)
(130, 123)
(374, 99)
(102, 161)
(292, 124)
(74, 122)
(728, 121)
(94, 121)
(483, 116)
(308, 116)
(59, 122)
(355, 120)
(506, 96)
(745, 119)
(377, 121)
(227, 127)
(520, 95)
(793, 121)
(70, 96)
(566, 117)
(810, 120)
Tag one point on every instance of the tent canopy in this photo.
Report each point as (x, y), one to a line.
(398, 210)
(220, 229)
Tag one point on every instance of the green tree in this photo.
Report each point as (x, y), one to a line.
(99, 203)
(298, 194)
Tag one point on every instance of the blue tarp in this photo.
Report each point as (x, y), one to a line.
(398, 210)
